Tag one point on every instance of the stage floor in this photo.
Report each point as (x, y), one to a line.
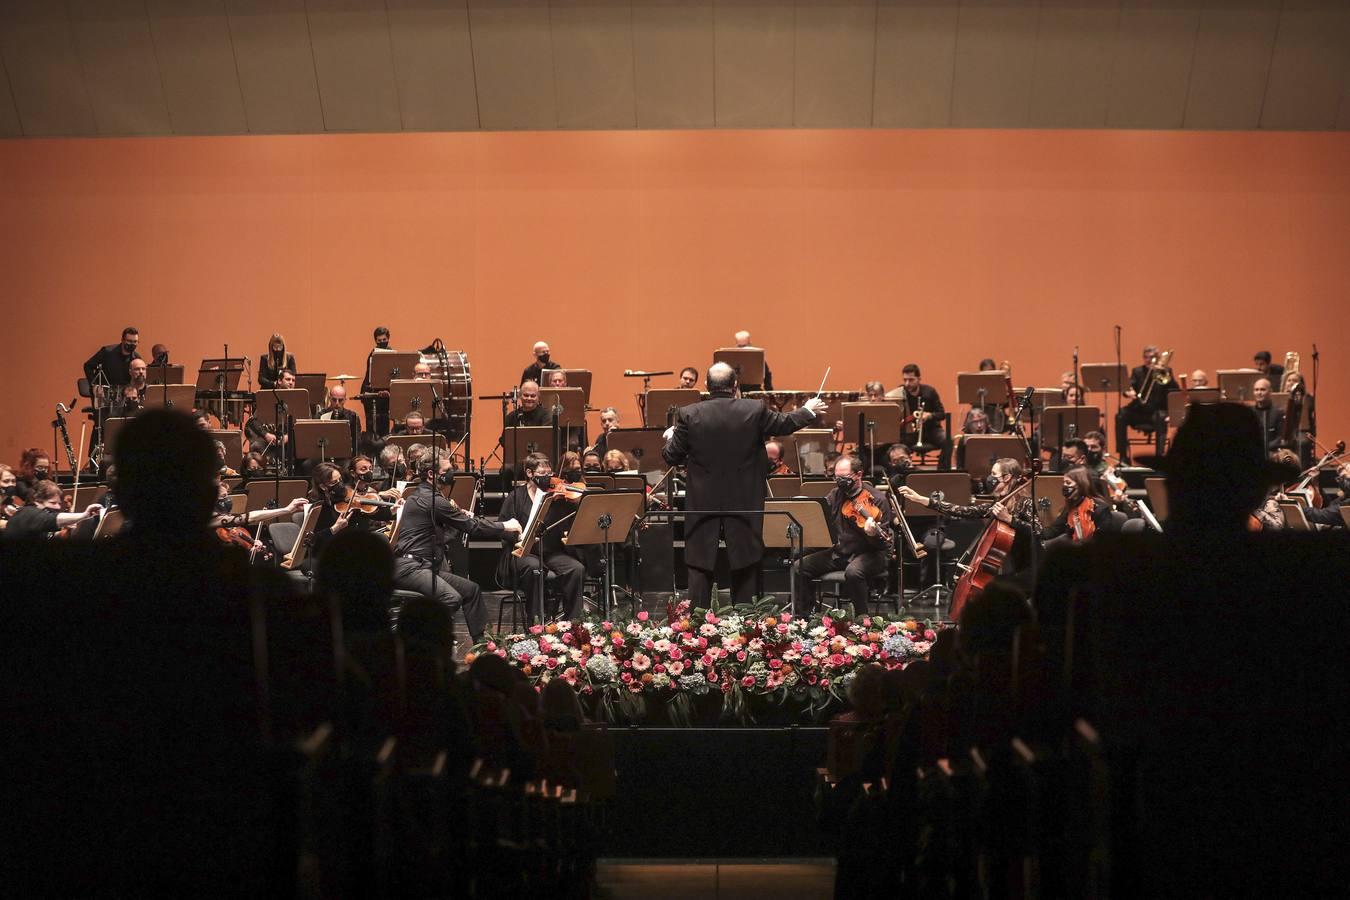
(797, 879)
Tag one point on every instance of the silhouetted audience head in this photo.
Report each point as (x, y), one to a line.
(428, 622)
(166, 470)
(990, 621)
(357, 568)
(867, 692)
(1217, 471)
(559, 706)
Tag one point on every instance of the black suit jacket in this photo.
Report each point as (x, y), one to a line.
(721, 441)
(116, 367)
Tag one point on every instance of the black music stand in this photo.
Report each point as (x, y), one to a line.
(386, 365)
(579, 378)
(980, 389)
(870, 423)
(663, 403)
(406, 395)
(182, 397)
(317, 385)
(323, 439)
(519, 441)
(982, 450)
(164, 374)
(1104, 377)
(1236, 384)
(220, 376)
(606, 519)
(748, 363)
(567, 408)
(641, 445)
(262, 494)
(1068, 422)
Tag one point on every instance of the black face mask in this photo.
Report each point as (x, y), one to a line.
(8, 492)
(898, 468)
(128, 349)
(543, 360)
(591, 468)
(40, 474)
(1342, 482)
(1094, 457)
(1070, 492)
(543, 481)
(847, 486)
(991, 484)
(337, 492)
(224, 506)
(572, 477)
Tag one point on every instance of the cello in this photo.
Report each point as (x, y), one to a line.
(986, 557)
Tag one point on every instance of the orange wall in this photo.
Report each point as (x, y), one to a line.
(861, 250)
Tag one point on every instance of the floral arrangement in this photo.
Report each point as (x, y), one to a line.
(745, 654)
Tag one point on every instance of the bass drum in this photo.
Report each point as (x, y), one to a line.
(452, 368)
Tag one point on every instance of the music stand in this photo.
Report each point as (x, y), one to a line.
(981, 389)
(234, 445)
(406, 395)
(1062, 423)
(599, 482)
(85, 494)
(1043, 397)
(748, 362)
(110, 523)
(664, 401)
(164, 374)
(1345, 514)
(464, 493)
(216, 375)
(1157, 496)
(1047, 487)
(815, 487)
(323, 439)
(869, 423)
(777, 531)
(238, 502)
(1236, 384)
(629, 482)
(954, 486)
(181, 397)
(317, 385)
(295, 557)
(1294, 518)
(605, 519)
(262, 491)
(282, 403)
(579, 378)
(111, 426)
(519, 441)
(784, 485)
(982, 450)
(1178, 401)
(386, 365)
(641, 445)
(811, 447)
(1104, 377)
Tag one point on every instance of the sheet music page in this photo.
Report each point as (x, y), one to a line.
(534, 511)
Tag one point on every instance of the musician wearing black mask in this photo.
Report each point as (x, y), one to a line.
(376, 403)
(114, 360)
(1095, 444)
(898, 464)
(1329, 514)
(559, 560)
(859, 550)
(543, 361)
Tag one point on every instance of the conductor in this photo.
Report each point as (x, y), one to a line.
(721, 442)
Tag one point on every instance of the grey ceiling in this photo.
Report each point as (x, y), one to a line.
(147, 67)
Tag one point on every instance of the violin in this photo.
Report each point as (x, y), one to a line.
(863, 509)
(239, 537)
(1305, 491)
(569, 492)
(367, 502)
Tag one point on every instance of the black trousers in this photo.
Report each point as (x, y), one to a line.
(571, 575)
(701, 581)
(859, 569)
(442, 585)
(1136, 415)
(938, 438)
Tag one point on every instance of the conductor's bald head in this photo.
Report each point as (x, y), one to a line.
(721, 377)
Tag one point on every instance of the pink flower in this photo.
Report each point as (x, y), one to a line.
(536, 629)
(551, 662)
(617, 641)
(675, 668)
(775, 664)
(740, 656)
(702, 643)
(867, 621)
(643, 616)
(838, 659)
(707, 660)
(785, 618)
(824, 682)
(648, 643)
(626, 677)
(782, 628)
(492, 645)
(811, 678)
(748, 681)
(659, 667)
(711, 618)
(826, 621)
(641, 662)
(929, 635)
(676, 653)
(568, 639)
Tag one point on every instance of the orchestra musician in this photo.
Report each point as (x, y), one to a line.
(609, 420)
(1268, 414)
(42, 517)
(421, 371)
(562, 561)
(743, 342)
(1072, 455)
(721, 442)
(254, 466)
(1150, 416)
(336, 409)
(923, 406)
(274, 362)
(777, 465)
(688, 377)
(8, 485)
(976, 422)
(860, 548)
(1005, 476)
(529, 412)
(1329, 514)
(114, 360)
(223, 516)
(898, 464)
(1273, 371)
(556, 378)
(1199, 379)
(376, 405)
(34, 467)
(614, 462)
(269, 436)
(543, 361)
(591, 461)
(225, 471)
(393, 465)
(1085, 512)
(421, 564)
(1094, 442)
(413, 423)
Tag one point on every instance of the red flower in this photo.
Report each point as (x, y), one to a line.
(748, 681)
(643, 616)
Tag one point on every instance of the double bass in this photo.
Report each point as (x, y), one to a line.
(986, 557)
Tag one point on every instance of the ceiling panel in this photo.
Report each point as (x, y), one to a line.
(754, 63)
(513, 60)
(276, 65)
(1232, 63)
(1152, 63)
(433, 60)
(1310, 65)
(196, 61)
(117, 54)
(1071, 85)
(995, 59)
(38, 47)
(673, 64)
(835, 62)
(354, 62)
(593, 63)
(916, 53)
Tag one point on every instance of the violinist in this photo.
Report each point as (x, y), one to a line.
(1005, 477)
(558, 559)
(591, 462)
(254, 466)
(225, 470)
(859, 513)
(328, 490)
(42, 516)
(34, 466)
(615, 462)
(394, 465)
(274, 361)
(571, 468)
(898, 464)
(1327, 515)
(1150, 416)
(1085, 511)
(361, 473)
(234, 529)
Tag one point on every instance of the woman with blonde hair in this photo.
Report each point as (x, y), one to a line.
(274, 360)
